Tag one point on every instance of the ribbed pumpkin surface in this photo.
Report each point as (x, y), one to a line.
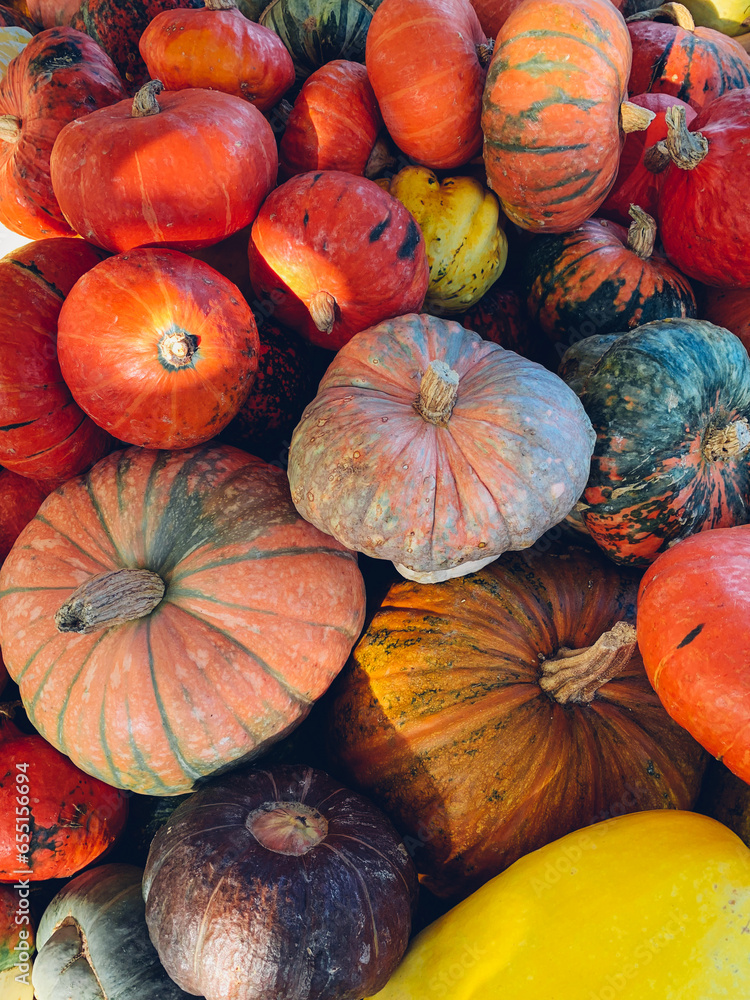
(259, 614)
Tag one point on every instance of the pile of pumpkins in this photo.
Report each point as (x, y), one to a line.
(375, 500)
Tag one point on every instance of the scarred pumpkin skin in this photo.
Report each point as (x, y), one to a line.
(730, 308)
(334, 123)
(590, 281)
(694, 633)
(429, 91)
(72, 818)
(43, 433)
(60, 75)
(670, 404)
(259, 614)
(635, 183)
(170, 325)
(352, 242)
(116, 176)
(551, 111)
(220, 49)
(440, 716)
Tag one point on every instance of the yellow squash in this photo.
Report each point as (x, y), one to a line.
(16, 985)
(732, 17)
(648, 906)
(465, 243)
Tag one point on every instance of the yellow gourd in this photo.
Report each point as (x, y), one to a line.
(648, 906)
(465, 243)
(732, 17)
(12, 41)
(15, 985)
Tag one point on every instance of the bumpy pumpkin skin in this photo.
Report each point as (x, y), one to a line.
(430, 90)
(591, 282)
(694, 631)
(259, 614)
(43, 433)
(441, 719)
(670, 404)
(365, 466)
(551, 110)
(60, 75)
(334, 123)
(116, 177)
(352, 242)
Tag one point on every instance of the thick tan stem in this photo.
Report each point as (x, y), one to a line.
(642, 232)
(144, 102)
(726, 443)
(380, 159)
(577, 674)
(656, 158)
(686, 149)
(674, 13)
(484, 52)
(220, 4)
(291, 828)
(437, 393)
(322, 308)
(634, 118)
(113, 598)
(177, 348)
(10, 128)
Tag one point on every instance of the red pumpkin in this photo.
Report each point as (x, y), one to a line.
(695, 64)
(730, 308)
(335, 253)
(19, 501)
(170, 614)
(429, 91)
(50, 13)
(219, 48)
(551, 111)
(186, 170)
(43, 434)
(493, 14)
(66, 818)
(694, 634)
(639, 176)
(173, 327)
(500, 317)
(11, 18)
(702, 233)
(334, 123)
(60, 75)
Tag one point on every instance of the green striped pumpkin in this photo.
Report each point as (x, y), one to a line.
(230, 615)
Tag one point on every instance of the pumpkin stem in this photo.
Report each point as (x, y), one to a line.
(112, 598)
(685, 149)
(438, 391)
(176, 349)
(656, 158)
(219, 4)
(380, 159)
(8, 709)
(642, 232)
(484, 52)
(10, 128)
(144, 102)
(634, 118)
(675, 13)
(322, 307)
(287, 827)
(728, 442)
(577, 674)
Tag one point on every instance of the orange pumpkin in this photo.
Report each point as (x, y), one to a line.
(730, 308)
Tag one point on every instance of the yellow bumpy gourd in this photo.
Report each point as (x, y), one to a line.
(648, 906)
(465, 243)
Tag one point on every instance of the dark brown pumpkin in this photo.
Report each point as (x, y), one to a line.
(495, 712)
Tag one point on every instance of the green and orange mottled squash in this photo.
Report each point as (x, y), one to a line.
(170, 613)
(552, 114)
(491, 714)
(602, 278)
(670, 404)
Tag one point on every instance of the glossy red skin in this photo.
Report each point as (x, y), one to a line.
(60, 75)
(635, 184)
(219, 50)
(43, 433)
(19, 501)
(186, 177)
(694, 635)
(702, 233)
(696, 66)
(430, 92)
(334, 122)
(730, 308)
(73, 818)
(342, 234)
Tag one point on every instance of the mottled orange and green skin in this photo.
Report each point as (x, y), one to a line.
(366, 467)
(551, 108)
(9, 929)
(440, 718)
(259, 614)
(113, 335)
(654, 397)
